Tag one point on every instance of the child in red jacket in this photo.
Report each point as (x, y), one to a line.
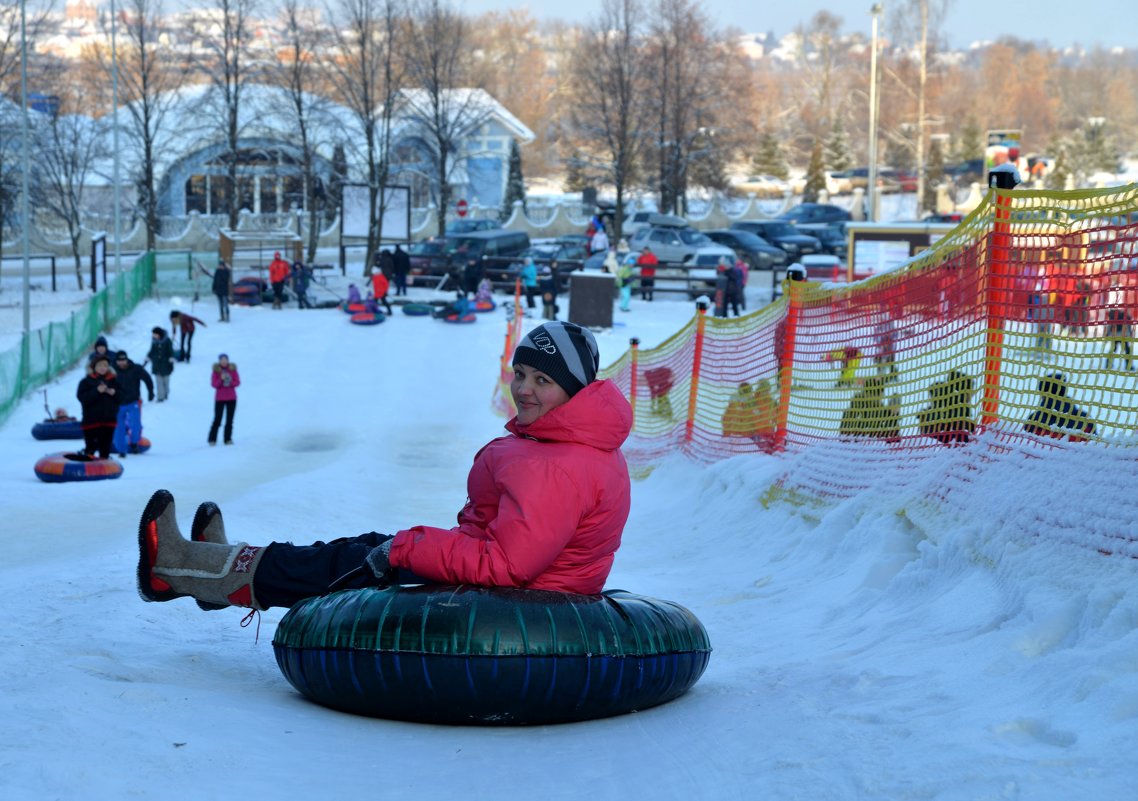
(546, 506)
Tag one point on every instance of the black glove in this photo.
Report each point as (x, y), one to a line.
(379, 562)
(151, 397)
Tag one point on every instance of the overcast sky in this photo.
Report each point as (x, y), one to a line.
(1109, 23)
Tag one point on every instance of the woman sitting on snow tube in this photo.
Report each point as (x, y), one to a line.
(545, 511)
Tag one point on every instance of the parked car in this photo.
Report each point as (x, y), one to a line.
(820, 267)
(834, 238)
(966, 172)
(453, 252)
(465, 226)
(763, 186)
(703, 269)
(671, 245)
(805, 214)
(752, 248)
(645, 219)
(782, 234)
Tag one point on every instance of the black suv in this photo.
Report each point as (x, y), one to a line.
(782, 234)
(809, 213)
(752, 248)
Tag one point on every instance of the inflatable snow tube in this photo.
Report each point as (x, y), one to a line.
(143, 445)
(417, 309)
(469, 317)
(354, 308)
(483, 305)
(62, 429)
(59, 467)
(247, 294)
(489, 656)
(366, 318)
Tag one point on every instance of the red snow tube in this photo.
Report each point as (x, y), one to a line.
(366, 318)
(355, 308)
(469, 317)
(484, 305)
(59, 467)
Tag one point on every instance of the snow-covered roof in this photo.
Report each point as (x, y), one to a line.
(471, 104)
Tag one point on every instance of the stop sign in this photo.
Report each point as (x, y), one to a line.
(460, 207)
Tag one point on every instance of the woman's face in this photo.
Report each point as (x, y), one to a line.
(223, 361)
(534, 393)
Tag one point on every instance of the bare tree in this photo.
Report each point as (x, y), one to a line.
(368, 78)
(443, 111)
(296, 72)
(148, 79)
(67, 147)
(923, 15)
(227, 71)
(11, 141)
(609, 114)
(685, 65)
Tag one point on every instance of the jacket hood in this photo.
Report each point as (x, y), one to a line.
(598, 416)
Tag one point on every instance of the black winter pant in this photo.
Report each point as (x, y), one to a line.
(229, 408)
(187, 343)
(98, 440)
(290, 573)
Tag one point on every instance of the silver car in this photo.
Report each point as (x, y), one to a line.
(671, 245)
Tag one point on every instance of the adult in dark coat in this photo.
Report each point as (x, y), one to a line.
(96, 393)
(300, 279)
(161, 359)
(222, 286)
(401, 264)
(128, 427)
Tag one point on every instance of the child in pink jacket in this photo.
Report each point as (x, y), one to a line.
(225, 381)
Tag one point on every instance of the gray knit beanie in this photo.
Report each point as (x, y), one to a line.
(565, 352)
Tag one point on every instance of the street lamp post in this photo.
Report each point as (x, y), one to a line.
(871, 187)
(25, 205)
(115, 102)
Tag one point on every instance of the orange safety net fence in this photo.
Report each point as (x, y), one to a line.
(1013, 337)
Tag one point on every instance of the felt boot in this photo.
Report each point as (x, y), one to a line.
(208, 526)
(170, 566)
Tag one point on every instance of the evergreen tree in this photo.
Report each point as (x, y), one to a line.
(970, 143)
(1099, 154)
(1060, 171)
(899, 151)
(769, 158)
(838, 155)
(815, 175)
(934, 174)
(575, 179)
(515, 183)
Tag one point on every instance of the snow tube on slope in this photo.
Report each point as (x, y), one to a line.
(355, 308)
(483, 305)
(489, 656)
(366, 318)
(469, 317)
(417, 309)
(61, 429)
(59, 467)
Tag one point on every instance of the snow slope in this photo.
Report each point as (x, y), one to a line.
(871, 649)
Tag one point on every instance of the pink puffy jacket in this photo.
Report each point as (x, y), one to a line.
(546, 506)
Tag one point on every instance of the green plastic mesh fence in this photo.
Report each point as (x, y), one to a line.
(47, 351)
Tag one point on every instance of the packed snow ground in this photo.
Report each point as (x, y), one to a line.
(857, 654)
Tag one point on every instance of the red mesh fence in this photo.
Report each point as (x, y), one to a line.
(1012, 338)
